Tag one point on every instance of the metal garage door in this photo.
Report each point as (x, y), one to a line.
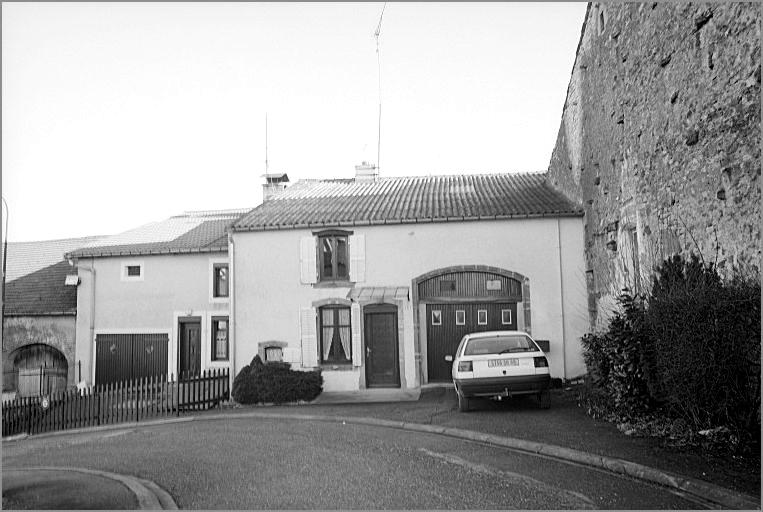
(121, 357)
(448, 323)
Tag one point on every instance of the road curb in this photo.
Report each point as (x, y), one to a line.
(710, 493)
(149, 495)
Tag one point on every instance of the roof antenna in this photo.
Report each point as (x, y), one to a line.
(378, 64)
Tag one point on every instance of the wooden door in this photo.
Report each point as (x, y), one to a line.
(448, 323)
(382, 363)
(189, 349)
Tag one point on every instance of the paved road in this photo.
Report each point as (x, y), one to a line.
(273, 464)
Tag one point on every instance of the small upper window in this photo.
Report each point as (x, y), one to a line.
(333, 257)
(131, 271)
(220, 286)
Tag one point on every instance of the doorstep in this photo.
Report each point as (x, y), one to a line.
(368, 395)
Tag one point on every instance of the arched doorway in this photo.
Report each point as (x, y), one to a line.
(39, 369)
(454, 301)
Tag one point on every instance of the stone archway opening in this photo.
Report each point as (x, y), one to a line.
(38, 369)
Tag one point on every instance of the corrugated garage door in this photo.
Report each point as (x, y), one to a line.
(448, 323)
(121, 357)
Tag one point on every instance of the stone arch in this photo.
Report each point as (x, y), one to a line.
(38, 366)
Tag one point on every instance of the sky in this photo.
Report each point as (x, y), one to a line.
(115, 115)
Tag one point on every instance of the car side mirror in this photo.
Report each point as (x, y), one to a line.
(449, 358)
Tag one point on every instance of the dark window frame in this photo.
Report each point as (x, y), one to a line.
(334, 358)
(216, 293)
(333, 236)
(131, 268)
(215, 329)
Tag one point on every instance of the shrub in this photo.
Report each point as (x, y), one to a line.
(690, 353)
(275, 382)
(704, 360)
(615, 359)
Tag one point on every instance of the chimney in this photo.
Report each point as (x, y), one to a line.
(366, 172)
(274, 184)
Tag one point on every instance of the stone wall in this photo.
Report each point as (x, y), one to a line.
(660, 140)
(55, 331)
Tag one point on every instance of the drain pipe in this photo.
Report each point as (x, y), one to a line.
(232, 313)
(561, 293)
(92, 308)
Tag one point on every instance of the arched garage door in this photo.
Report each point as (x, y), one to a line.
(461, 302)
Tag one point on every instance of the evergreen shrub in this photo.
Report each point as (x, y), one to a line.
(275, 382)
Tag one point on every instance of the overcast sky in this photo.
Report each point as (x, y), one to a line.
(119, 114)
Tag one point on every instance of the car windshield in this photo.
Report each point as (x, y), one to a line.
(499, 345)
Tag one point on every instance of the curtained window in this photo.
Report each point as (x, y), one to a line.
(335, 335)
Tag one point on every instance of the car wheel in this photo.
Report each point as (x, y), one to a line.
(544, 399)
(463, 403)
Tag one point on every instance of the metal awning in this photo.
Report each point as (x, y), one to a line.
(378, 292)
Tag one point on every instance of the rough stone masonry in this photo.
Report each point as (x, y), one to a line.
(660, 141)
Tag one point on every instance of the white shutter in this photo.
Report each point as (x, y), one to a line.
(358, 258)
(307, 267)
(357, 349)
(307, 334)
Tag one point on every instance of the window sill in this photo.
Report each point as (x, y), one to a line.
(337, 367)
(334, 284)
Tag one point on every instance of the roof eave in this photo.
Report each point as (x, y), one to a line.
(416, 220)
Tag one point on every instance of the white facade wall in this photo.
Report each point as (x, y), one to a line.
(171, 287)
(269, 294)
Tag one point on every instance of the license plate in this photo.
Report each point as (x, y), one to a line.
(502, 362)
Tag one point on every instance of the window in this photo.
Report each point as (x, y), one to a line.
(335, 335)
(506, 317)
(220, 277)
(273, 354)
(436, 317)
(219, 338)
(333, 257)
(482, 317)
(131, 271)
(460, 317)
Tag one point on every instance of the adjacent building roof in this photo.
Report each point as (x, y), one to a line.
(42, 292)
(313, 203)
(35, 275)
(27, 257)
(190, 232)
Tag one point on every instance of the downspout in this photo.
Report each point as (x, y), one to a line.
(561, 293)
(92, 308)
(232, 319)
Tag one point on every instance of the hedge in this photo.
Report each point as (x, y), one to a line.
(275, 382)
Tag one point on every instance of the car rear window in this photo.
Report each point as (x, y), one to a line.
(499, 345)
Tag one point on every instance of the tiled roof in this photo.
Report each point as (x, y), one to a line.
(27, 257)
(190, 232)
(312, 203)
(42, 292)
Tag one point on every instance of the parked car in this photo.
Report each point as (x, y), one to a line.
(498, 365)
